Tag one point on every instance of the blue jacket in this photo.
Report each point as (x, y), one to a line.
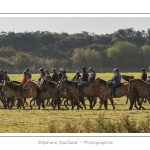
(116, 78)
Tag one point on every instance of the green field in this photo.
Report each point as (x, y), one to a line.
(40, 121)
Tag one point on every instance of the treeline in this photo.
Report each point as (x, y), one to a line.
(126, 49)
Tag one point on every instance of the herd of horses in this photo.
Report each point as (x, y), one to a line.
(67, 92)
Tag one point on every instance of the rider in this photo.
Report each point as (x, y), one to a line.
(148, 83)
(42, 75)
(60, 73)
(84, 79)
(29, 74)
(48, 77)
(1, 75)
(115, 80)
(144, 74)
(77, 76)
(25, 79)
(92, 74)
(55, 76)
(6, 77)
(64, 76)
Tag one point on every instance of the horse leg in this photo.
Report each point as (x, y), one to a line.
(94, 101)
(82, 101)
(66, 101)
(127, 101)
(43, 104)
(112, 102)
(105, 104)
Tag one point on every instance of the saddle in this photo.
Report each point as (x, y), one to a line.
(86, 84)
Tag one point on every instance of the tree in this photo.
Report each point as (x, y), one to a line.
(123, 55)
(86, 57)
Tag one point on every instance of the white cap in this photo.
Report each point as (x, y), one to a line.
(61, 69)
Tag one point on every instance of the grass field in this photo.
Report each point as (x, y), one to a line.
(65, 121)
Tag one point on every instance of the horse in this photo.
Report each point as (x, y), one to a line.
(141, 87)
(64, 94)
(73, 87)
(127, 78)
(122, 90)
(11, 89)
(50, 87)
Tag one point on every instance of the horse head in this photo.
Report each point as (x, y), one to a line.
(131, 87)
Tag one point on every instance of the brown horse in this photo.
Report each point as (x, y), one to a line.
(73, 87)
(33, 85)
(120, 92)
(141, 87)
(50, 87)
(11, 89)
(127, 78)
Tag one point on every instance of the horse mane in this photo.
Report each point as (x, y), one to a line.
(71, 83)
(127, 78)
(140, 80)
(12, 85)
(103, 82)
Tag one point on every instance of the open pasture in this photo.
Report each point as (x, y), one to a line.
(49, 120)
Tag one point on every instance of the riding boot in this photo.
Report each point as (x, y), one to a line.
(81, 90)
(21, 91)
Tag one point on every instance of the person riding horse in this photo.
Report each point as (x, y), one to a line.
(64, 76)
(42, 75)
(116, 80)
(92, 74)
(76, 77)
(6, 77)
(1, 75)
(60, 73)
(48, 76)
(148, 83)
(29, 74)
(144, 74)
(84, 80)
(25, 79)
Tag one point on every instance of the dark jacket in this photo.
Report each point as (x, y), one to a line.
(144, 76)
(60, 75)
(84, 76)
(55, 77)
(29, 75)
(6, 78)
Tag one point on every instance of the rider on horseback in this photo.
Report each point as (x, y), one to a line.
(84, 79)
(144, 74)
(148, 83)
(48, 76)
(116, 80)
(76, 77)
(29, 74)
(42, 76)
(92, 75)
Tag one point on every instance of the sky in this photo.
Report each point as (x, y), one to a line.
(71, 25)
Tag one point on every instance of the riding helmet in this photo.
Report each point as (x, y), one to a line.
(83, 68)
(25, 72)
(5, 72)
(143, 69)
(61, 69)
(46, 71)
(41, 69)
(64, 72)
(90, 68)
(1, 70)
(27, 69)
(77, 72)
